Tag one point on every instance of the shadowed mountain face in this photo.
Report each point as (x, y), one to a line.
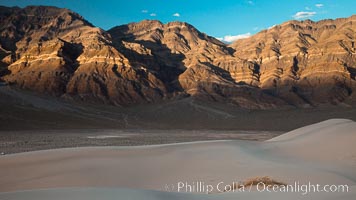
(302, 62)
(57, 52)
(187, 62)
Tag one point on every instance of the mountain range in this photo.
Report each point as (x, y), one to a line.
(57, 52)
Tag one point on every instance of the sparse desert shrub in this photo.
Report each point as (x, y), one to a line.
(266, 180)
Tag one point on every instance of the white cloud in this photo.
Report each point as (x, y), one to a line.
(308, 8)
(153, 14)
(232, 38)
(176, 15)
(303, 14)
(319, 5)
(272, 26)
(144, 11)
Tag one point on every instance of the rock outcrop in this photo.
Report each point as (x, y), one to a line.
(187, 62)
(55, 51)
(302, 61)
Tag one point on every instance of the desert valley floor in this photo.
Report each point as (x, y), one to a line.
(321, 153)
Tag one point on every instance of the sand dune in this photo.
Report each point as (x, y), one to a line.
(330, 141)
(322, 153)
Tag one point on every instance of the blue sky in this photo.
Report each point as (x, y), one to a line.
(225, 19)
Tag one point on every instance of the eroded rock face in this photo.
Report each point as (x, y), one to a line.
(302, 62)
(187, 61)
(56, 51)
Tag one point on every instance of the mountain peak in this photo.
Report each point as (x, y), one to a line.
(299, 63)
(147, 23)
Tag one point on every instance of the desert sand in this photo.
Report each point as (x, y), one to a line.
(321, 153)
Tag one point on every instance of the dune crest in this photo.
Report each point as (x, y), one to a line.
(328, 141)
(322, 153)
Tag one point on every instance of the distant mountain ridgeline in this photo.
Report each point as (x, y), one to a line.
(298, 63)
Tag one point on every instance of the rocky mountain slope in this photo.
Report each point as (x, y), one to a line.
(302, 61)
(55, 51)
